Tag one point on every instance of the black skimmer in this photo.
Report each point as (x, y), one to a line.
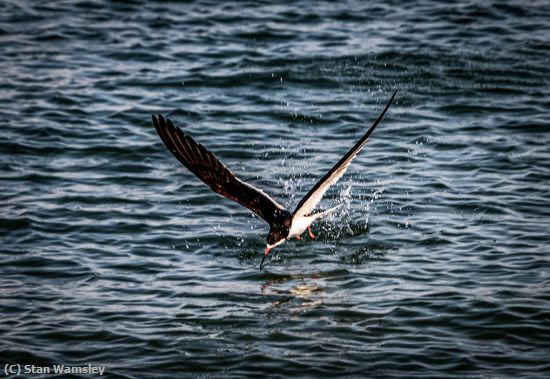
(283, 225)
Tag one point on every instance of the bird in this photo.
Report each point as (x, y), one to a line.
(283, 224)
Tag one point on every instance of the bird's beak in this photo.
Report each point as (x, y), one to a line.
(265, 255)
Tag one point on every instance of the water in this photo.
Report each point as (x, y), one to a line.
(115, 255)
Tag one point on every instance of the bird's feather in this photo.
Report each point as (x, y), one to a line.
(314, 196)
(208, 168)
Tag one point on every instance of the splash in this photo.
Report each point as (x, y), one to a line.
(376, 194)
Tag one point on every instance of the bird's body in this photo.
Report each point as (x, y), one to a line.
(299, 225)
(283, 224)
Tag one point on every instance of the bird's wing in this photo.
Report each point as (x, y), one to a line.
(314, 196)
(208, 168)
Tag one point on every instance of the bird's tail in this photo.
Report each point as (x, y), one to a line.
(326, 213)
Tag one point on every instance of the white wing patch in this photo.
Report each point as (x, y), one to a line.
(316, 197)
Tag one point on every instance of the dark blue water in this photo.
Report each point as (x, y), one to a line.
(113, 254)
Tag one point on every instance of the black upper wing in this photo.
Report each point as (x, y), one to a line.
(208, 168)
(314, 196)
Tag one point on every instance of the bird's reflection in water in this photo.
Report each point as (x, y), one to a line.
(299, 297)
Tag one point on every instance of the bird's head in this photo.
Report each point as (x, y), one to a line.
(274, 238)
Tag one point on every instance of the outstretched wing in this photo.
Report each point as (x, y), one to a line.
(310, 201)
(208, 168)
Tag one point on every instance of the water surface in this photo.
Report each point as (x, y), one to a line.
(113, 254)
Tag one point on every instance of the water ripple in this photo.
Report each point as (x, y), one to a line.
(113, 254)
